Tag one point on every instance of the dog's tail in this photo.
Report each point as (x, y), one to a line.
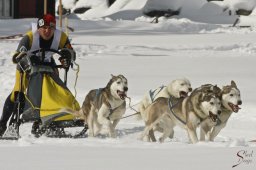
(141, 110)
(78, 114)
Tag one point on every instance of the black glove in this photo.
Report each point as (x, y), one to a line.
(67, 55)
(65, 62)
(18, 56)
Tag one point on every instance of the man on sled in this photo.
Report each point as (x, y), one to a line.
(40, 92)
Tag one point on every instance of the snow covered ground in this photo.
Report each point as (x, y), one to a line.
(149, 55)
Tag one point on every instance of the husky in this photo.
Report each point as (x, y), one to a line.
(178, 88)
(230, 102)
(105, 106)
(187, 113)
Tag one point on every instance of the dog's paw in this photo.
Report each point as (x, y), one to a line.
(90, 134)
(161, 139)
(113, 136)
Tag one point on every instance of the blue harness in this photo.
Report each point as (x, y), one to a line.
(171, 106)
(98, 92)
(152, 93)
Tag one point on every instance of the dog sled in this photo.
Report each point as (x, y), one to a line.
(44, 99)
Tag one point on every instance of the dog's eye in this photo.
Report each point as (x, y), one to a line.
(118, 82)
(211, 103)
(182, 84)
(231, 95)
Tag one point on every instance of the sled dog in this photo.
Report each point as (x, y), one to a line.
(105, 106)
(178, 88)
(230, 102)
(187, 113)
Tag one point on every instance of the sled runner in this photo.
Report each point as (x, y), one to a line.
(45, 99)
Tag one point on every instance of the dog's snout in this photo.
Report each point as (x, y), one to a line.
(190, 89)
(219, 112)
(239, 102)
(125, 88)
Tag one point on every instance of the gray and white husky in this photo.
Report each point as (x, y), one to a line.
(186, 113)
(105, 106)
(178, 88)
(230, 102)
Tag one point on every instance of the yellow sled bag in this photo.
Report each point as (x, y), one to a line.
(47, 97)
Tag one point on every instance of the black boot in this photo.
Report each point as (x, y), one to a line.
(6, 114)
(2, 129)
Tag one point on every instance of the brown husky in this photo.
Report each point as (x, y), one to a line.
(105, 106)
(187, 113)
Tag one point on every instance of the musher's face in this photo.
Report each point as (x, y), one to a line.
(46, 32)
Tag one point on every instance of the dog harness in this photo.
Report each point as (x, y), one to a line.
(152, 94)
(97, 96)
(171, 106)
(98, 92)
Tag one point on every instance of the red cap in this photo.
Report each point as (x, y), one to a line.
(46, 20)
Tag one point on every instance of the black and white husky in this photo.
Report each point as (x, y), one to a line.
(231, 100)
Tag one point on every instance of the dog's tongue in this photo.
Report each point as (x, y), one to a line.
(236, 108)
(213, 117)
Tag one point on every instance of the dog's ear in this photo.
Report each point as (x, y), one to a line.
(173, 81)
(216, 89)
(226, 89)
(233, 84)
(200, 97)
(112, 76)
(208, 89)
(212, 88)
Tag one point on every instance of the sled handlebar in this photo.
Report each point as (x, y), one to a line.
(63, 53)
(27, 59)
(60, 52)
(45, 50)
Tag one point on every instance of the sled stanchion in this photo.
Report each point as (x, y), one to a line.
(82, 133)
(19, 100)
(12, 132)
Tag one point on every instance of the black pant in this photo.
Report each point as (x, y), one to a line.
(7, 112)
